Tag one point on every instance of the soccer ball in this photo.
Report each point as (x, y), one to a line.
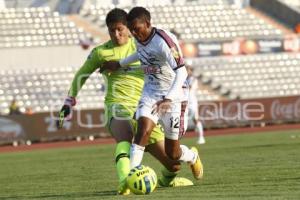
(142, 180)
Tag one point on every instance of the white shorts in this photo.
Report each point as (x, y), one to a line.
(174, 122)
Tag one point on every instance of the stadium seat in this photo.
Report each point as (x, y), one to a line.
(199, 20)
(36, 27)
(252, 76)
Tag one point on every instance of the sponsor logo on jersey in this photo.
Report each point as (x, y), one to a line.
(152, 69)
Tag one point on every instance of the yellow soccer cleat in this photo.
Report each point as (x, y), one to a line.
(197, 167)
(175, 182)
(123, 188)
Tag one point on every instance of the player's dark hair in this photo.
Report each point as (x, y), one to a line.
(138, 13)
(116, 15)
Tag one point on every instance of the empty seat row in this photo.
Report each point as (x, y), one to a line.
(44, 89)
(195, 21)
(243, 76)
(37, 27)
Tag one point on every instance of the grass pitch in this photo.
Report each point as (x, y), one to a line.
(248, 166)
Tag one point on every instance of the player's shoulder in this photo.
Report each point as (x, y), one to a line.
(101, 49)
(165, 38)
(132, 42)
(106, 45)
(170, 34)
(165, 34)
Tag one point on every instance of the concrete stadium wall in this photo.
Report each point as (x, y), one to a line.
(46, 57)
(278, 9)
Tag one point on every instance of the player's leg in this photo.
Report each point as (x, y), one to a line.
(200, 132)
(122, 132)
(198, 125)
(171, 168)
(144, 129)
(156, 148)
(174, 124)
(123, 135)
(146, 122)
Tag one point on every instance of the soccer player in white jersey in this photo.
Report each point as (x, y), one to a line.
(163, 92)
(193, 105)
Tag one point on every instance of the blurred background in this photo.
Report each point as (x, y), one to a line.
(243, 52)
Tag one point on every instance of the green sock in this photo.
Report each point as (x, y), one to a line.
(167, 176)
(122, 159)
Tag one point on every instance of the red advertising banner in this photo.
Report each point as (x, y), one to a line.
(42, 126)
(289, 43)
(239, 112)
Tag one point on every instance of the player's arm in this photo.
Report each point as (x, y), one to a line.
(165, 104)
(128, 60)
(174, 57)
(91, 64)
(115, 65)
(180, 78)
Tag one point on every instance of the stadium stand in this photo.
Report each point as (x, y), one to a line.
(243, 52)
(44, 89)
(200, 21)
(43, 84)
(30, 27)
(252, 76)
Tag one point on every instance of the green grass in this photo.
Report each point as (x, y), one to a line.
(249, 166)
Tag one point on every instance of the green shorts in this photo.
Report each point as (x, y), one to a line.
(119, 111)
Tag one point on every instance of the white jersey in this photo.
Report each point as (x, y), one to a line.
(160, 56)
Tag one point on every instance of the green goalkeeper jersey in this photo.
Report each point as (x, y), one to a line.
(122, 86)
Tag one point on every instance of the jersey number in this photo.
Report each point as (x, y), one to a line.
(174, 122)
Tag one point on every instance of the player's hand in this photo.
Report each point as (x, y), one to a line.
(110, 66)
(163, 106)
(66, 111)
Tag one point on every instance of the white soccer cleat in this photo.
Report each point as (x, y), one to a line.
(201, 140)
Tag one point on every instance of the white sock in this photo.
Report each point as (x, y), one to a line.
(136, 155)
(199, 130)
(187, 155)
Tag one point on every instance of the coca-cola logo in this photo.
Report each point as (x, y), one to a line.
(289, 110)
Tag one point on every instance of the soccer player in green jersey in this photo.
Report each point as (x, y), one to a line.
(123, 93)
